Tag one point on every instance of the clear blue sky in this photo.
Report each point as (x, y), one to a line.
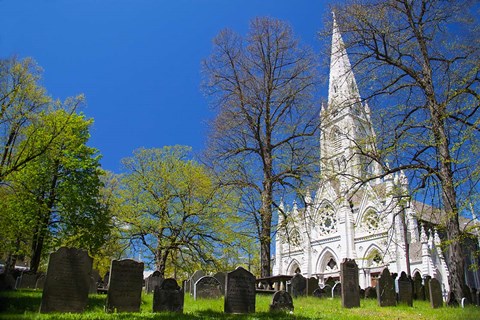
(137, 61)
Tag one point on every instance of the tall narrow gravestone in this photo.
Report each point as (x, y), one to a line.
(405, 290)
(436, 299)
(125, 286)
(386, 289)
(168, 297)
(220, 276)
(312, 285)
(418, 288)
(67, 281)
(154, 280)
(240, 292)
(349, 282)
(299, 285)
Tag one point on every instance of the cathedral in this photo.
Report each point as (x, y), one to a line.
(373, 223)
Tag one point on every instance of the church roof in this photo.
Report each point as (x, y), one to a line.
(427, 213)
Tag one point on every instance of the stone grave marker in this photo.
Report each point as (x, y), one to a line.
(418, 288)
(40, 282)
(312, 285)
(154, 280)
(386, 295)
(299, 285)
(240, 292)
(194, 278)
(26, 280)
(168, 297)
(451, 300)
(337, 290)
(220, 276)
(281, 302)
(207, 288)
(371, 293)
(92, 289)
(362, 293)
(405, 290)
(67, 281)
(473, 293)
(350, 290)
(186, 286)
(426, 286)
(320, 293)
(125, 286)
(436, 298)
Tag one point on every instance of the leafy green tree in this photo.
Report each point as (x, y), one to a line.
(172, 207)
(419, 62)
(57, 195)
(264, 138)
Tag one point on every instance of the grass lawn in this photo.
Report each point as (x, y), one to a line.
(25, 304)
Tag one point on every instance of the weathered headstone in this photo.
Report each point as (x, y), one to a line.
(473, 292)
(67, 281)
(426, 285)
(125, 286)
(281, 301)
(312, 285)
(240, 292)
(153, 281)
(418, 288)
(168, 297)
(405, 290)
(349, 284)
(320, 293)
(26, 280)
(452, 300)
(92, 289)
(299, 285)
(207, 288)
(436, 299)
(337, 290)
(40, 282)
(386, 295)
(220, 276)
(371, 293)
(194, 278)
(186, 286)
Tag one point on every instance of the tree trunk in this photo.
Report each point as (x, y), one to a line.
(161, 260)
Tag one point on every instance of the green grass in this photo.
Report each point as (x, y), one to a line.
(25, 304)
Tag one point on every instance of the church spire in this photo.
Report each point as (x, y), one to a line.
(343, 90)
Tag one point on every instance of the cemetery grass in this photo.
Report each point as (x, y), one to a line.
(24, 304)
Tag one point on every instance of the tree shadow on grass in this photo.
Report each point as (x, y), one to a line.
(20, 301)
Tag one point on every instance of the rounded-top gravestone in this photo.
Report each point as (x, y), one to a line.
(281, 301)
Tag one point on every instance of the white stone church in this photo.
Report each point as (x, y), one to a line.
(365, 225)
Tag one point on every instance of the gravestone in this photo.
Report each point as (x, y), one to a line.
(7, 282)
(299, 285)
(240, 292)
(418, 288)
(436, 299)
(186, 286)
(386, 295)
(92, 289)
(452, 300)
(125, 286)
(426, 286)
(337, 290)
(362, 293)
(168, 297)
(194, 278)
(40, 282)
(371, 293)
(220, 276)
(26, 280)
(320, 293)
(154, 280)
(281, 301)
(473, 293)
(67, 281)
(405, 290)
(207, 288)
(105, 279)
(349, 283)
(312, 285)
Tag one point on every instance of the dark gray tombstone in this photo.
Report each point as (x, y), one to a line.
(26, 280)
(299, 285)
(386, 295)
(312, 285)
(125, 286)
(418, 288)
(40, 282)
(153, 281)
(436, 299)
(207, 288)
(281, 302)
(452, 300)
(349, 283)
(405, 290)
(240, 292)
(168, 297)
(67, 281)
(426, 285)
(371, 293)
(194, 278)
(7, 282)
(186, 286)
(92, 289)
(220, 276)
(473, 292)
(337, 290)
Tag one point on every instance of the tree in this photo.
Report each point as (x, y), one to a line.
(420, 62)
(172, 206)
(22, 101)
(264, 135)
(56, 197)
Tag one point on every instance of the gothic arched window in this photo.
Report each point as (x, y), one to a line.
(371, 220)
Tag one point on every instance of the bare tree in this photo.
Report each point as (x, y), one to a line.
(264, 136)
(419, 63)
